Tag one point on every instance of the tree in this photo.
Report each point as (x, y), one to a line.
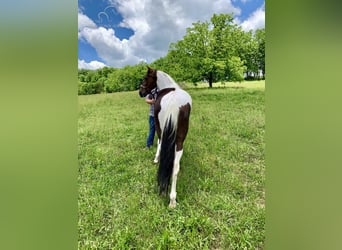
(213, 51)
(193, 53)
(171, 64)
(245, 47)
(260, 40)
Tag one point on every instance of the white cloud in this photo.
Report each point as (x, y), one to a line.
(155, 24)
(256, 20)
(84, 22)
(92, 65)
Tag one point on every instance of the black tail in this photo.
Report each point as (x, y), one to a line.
(167, 155)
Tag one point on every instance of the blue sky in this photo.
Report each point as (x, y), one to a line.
(124, 32)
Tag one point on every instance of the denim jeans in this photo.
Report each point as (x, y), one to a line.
(151, 133)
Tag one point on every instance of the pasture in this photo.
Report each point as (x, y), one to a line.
(221, 184)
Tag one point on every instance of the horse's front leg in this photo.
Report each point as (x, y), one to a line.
(176, 167)
(156, 158)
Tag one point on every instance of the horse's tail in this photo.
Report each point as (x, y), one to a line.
(167, 155)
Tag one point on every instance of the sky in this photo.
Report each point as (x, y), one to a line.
(117, 33)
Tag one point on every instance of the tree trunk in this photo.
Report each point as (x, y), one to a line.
(210, 79)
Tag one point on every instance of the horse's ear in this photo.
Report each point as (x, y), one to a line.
(150, 70)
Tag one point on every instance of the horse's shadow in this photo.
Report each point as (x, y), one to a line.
(188, 180)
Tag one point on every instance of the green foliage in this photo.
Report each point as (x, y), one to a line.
(260, 37)
(125, 79)
(235, 69)
(90, 88)
(110, 80)
(220, 187)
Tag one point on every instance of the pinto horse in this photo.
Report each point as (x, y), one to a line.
(171, 114)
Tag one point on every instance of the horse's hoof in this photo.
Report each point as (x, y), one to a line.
(172, 204)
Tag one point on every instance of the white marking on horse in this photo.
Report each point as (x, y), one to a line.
(156, 158)
(170, 105)
(176, 167)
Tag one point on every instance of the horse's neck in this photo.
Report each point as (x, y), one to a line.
(165, 81)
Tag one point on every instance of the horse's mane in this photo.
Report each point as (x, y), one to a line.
(165, 81)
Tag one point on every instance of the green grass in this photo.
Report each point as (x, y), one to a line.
(221, 184)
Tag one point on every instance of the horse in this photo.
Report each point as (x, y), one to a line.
(171, 114)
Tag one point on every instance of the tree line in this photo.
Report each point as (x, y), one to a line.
(213, 51)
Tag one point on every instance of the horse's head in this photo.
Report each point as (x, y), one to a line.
(148, 83)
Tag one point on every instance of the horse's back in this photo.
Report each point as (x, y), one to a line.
(178, 97)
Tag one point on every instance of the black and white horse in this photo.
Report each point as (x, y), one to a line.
(171, 114)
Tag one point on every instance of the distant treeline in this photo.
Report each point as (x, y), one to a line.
(110, 80)
(213, 51)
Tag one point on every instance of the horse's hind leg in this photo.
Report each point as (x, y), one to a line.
(176, 166)
(182, 130)
(156, 158)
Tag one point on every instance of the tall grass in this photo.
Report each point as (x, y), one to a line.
(220, 188)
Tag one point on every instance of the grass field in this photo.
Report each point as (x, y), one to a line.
(221, 184)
